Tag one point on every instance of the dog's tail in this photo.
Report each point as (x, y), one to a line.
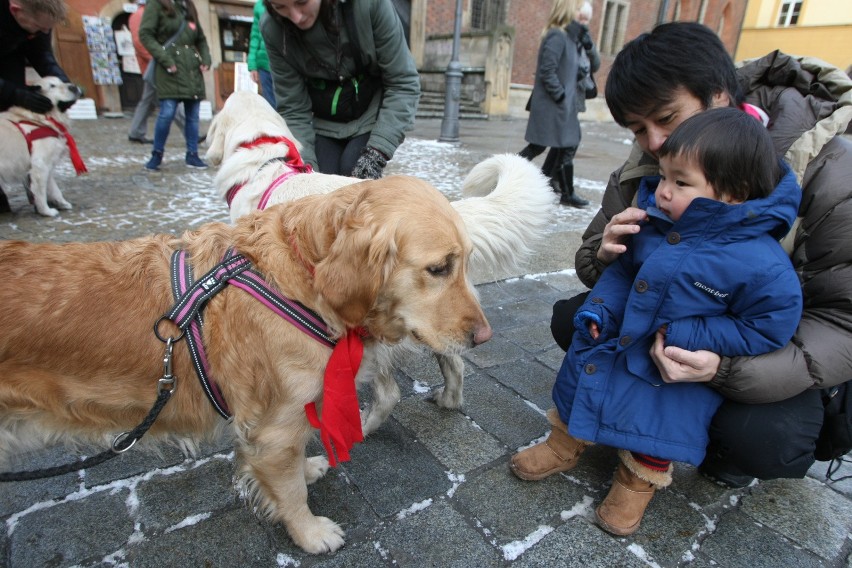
(507, 205)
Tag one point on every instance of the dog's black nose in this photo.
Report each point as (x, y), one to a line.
(75, 89)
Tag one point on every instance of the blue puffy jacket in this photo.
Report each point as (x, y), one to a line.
(718, 280)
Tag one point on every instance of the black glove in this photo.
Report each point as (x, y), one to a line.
(31, 99)
(370, 164)
(586, 40)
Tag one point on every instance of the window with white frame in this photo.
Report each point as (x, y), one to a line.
(614, 26)
(789, 15)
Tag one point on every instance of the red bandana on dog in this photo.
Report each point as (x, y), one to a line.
(76, 159)
(340, 426)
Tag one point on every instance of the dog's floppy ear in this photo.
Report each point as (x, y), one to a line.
(359, 260)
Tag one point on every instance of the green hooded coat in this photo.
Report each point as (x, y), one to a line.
(187, 53)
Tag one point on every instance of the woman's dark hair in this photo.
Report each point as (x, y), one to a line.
(326, 17)
(191, 11)
(733, 149)
(649, 70)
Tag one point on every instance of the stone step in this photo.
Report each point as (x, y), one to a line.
(432, 106)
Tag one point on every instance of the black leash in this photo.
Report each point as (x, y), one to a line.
(122, 443)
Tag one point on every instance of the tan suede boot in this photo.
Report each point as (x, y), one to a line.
(633, 486)
(560, 452)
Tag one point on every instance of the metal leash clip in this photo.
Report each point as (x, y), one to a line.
(167, 381)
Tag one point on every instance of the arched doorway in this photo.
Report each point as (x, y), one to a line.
(73, 55)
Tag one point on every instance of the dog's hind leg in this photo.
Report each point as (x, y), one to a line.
(450, 395)
(273, 470)
(385, 396)
(54, 194)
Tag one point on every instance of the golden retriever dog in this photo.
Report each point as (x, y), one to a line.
(79, 359)
(507, 204)
(33, 144)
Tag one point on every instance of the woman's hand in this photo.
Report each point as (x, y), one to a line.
(678, 365)
(204, 68)
(255, 77)
(172, 70)
(617, 231)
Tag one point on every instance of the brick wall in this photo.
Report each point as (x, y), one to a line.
(529, 17)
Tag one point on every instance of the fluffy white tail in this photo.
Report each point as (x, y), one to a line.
(507, 206)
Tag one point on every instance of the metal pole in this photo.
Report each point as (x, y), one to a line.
(450, 122)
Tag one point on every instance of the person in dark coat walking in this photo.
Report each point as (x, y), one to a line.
(705, 271)
(553, 106)
(171, 33)
(590, 62)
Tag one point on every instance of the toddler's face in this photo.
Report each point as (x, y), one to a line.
(682, 181)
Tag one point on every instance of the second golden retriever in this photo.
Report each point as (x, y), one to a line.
(79, 359)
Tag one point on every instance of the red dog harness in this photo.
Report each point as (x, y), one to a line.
(292, 160)
(43, 131)
(340, 426)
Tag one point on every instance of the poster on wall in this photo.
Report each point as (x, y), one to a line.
(102, 51)
(242, 78)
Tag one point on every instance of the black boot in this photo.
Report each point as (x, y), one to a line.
(566, 183)
(4, 202)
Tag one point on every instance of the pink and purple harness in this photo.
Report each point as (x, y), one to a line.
(340, 425)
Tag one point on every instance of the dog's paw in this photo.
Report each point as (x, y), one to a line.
(315, 468)
(370, 421)
(47, 211)
(317, 535)
(448, 398)
(60, 204)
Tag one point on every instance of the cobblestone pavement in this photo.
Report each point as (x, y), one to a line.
(431, 487)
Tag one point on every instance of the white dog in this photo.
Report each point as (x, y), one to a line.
(33, 144)
(507, 205)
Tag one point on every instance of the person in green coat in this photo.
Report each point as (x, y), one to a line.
(258, 61)
(171, 33)
(348, 100)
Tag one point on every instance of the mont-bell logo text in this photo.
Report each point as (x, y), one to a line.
(709, 290)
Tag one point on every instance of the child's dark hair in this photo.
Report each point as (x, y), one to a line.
(733, 149)
(649, 70)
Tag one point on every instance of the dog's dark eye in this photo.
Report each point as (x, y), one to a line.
(439, 269)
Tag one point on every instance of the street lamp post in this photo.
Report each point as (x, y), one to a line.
(450, 122)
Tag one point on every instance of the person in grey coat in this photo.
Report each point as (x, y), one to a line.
(553, 118)
(589, 63)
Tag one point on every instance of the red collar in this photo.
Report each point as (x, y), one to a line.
(292, 158)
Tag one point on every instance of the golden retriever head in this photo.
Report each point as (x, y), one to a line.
(244, 117)
(390, 255)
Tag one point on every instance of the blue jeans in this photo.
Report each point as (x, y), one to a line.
(266, 86)
(168, 108)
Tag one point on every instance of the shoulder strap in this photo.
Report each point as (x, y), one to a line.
(349, 20)
(173, 39)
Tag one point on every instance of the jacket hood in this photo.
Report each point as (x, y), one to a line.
(773, 214)
(801, 125)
